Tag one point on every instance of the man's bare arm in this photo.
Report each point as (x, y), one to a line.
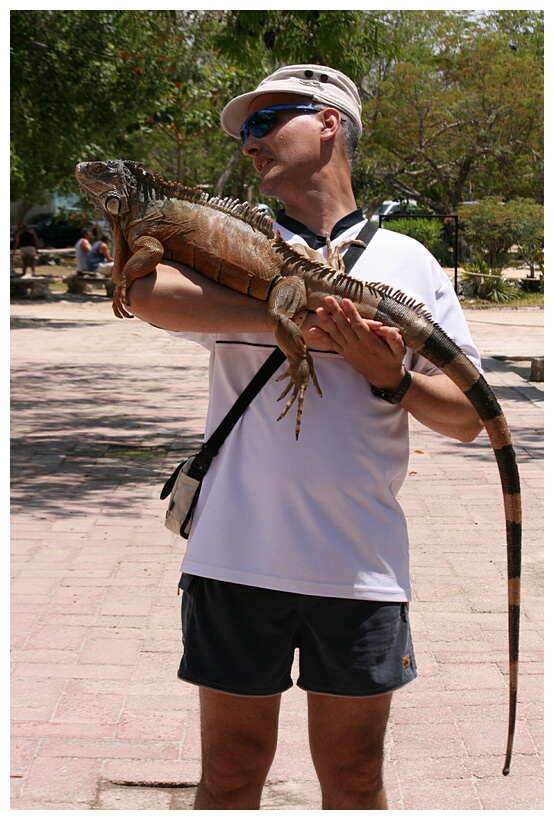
(175, 297)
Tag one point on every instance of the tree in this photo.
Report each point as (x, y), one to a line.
(82, 82)
(459, 116)
(259, 41)
(453, 100)
(491, 228)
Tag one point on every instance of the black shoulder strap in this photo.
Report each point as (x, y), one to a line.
(211, 447)
(355, 251)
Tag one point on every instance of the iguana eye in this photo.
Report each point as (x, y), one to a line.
(113, 204)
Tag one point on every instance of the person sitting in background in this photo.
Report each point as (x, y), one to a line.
(100, 258)
(82, 251)
(26, 242)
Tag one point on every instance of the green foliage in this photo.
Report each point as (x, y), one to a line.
(460, 115)
(491, 228)
(430, 232)
(452, 99)
(489, 285)
(258, 41)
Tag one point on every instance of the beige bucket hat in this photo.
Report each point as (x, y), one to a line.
(318, 83)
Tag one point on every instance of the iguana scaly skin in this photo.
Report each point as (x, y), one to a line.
(152, 219)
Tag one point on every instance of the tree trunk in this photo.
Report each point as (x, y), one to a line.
(223, 179)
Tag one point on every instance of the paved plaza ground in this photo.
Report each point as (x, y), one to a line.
(102, 411)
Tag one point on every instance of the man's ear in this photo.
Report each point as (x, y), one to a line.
(331, 119)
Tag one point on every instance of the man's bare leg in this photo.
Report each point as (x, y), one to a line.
(347, 744)
(239, 738)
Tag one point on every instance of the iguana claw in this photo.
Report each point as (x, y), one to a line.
(299, 380)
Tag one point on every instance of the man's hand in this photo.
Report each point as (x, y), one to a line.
(375, 350)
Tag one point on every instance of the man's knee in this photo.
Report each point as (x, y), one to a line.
(234, 768)
(239, 739)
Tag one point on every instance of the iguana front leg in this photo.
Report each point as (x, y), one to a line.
(286, 312)
(148, 253)
(334, 257)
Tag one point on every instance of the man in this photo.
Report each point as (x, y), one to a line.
(26, 242)
(82, 251)
(100, 258)
(302, 543)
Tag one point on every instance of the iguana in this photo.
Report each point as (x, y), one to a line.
(233, 244)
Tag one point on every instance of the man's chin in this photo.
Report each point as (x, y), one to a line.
(268, 186)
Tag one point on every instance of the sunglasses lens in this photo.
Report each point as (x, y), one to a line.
(262, 121)
(258, 124)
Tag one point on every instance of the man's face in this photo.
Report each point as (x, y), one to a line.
(286, 156)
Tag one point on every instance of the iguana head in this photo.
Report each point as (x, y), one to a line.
(109, 185)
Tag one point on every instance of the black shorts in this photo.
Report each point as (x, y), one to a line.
(241, 640)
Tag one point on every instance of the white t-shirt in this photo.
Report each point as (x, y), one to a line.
(319, 515)
(81, 256)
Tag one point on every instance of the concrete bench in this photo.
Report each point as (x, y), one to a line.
(83, 282)
(31, 287)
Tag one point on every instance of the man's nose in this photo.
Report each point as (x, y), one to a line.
(250, 145)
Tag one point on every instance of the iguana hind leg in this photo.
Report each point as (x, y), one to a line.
(286, 312)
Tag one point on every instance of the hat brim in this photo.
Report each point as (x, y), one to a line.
(236, 112)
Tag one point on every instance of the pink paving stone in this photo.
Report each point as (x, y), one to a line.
(414, 741)
(52, 637)
(292, 760)
(426, 714)
(138, 584)
(523, 767)
(21, 625)
(448, 795)
(432, 768)
(71, 524)
(511, 793)
(33, 586)
(185, 772)
(34, 698)
(41, 729)
(30, 530)
(22, 752)
(474, 676)
(138, 569)
(127, 601)
(111, 749)
(51, 779)
(486, 736)
(151, 726)
(36, 805)
(111, 534)
(159, 666)
(38, 657)
(75, 601)
(81, 703)
(74, 671)
(104, 650)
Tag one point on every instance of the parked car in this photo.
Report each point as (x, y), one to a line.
(390, 206)
(53, 233)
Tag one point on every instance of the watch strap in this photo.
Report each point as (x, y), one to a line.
(399, 393)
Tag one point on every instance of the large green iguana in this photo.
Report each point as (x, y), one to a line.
(231, 243)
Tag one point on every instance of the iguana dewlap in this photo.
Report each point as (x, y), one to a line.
(231, 243)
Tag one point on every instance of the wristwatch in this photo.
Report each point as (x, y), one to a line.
(399, 393)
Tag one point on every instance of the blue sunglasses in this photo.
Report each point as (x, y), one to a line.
(262, 121)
